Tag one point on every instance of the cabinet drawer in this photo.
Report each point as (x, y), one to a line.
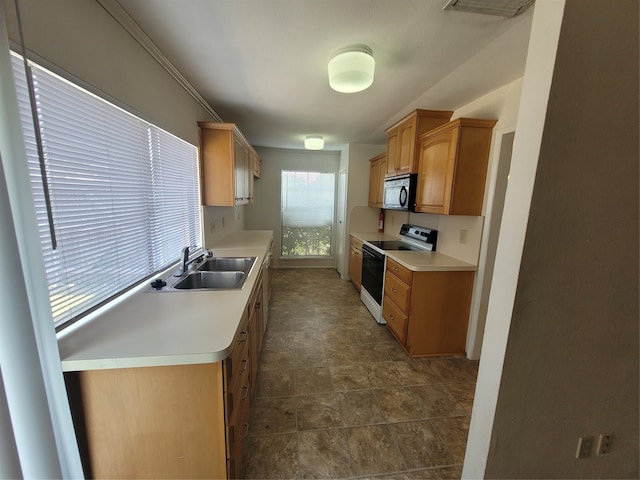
(239, 358)
(238, 399)
(398, 291)
(396, 319)
(403, 273)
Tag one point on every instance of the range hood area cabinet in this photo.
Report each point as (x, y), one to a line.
(452, 167)
(402, 155)
(227, 165)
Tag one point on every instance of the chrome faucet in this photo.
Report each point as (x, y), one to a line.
(185, 261)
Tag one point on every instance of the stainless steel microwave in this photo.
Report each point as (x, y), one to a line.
(400, 192)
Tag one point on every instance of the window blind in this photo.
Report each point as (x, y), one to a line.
(124, 193)
(307, 201)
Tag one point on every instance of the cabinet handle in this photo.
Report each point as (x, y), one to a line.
(258, 305)
(395, 269)
(245, 365)
(243, 336)
(245, 392)
(391, 317)
(246, 431)
(393, 290)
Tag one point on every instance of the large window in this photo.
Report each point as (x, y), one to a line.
(124, 195)
(307, 213)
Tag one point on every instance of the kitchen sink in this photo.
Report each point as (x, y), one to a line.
(211, 280)
(214, 273)
(224, 264)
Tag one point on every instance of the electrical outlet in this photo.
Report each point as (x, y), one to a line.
(604, 444)
(585, 444)
(463, 236)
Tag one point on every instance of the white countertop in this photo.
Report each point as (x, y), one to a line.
(418, 261)
(166, 328)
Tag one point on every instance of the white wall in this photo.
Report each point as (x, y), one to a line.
(264, 213)
(218, 222)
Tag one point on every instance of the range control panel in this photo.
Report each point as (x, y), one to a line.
(420, 234)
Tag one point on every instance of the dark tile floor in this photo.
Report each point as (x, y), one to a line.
(337, 397)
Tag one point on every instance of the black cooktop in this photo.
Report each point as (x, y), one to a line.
(392, 245)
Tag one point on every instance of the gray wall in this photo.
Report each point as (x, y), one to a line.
(571, 365)
(81, 38)
(264, 214)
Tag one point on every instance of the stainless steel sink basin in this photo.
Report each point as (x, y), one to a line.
(211, 280)
(224, 264)
(215, 273)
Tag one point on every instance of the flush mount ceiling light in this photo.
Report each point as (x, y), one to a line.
(351, 69)
(314, 142)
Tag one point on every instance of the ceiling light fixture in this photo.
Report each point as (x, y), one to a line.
(314, 142)
(351, 69)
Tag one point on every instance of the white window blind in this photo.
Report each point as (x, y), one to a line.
(307, 213)
(124, 193)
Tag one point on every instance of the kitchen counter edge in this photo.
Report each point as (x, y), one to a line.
(181, 328)
(418, 261)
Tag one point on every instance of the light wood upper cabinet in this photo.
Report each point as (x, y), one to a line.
(227, 165)
(377, 172)
(452, 167)
(402, 137)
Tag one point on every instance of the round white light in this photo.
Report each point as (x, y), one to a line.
(351, 69)
(314, 142)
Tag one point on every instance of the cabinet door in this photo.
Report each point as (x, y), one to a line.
(396, 319)
(383, 168)
(355, 263)
(217, 151)
(439, 314)
(392, 152)
(239, 172)
(407, 139)
(374, 180)
(136, 419)
(248, 176)
(435, 173)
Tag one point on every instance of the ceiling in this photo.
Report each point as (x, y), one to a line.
(262, 64)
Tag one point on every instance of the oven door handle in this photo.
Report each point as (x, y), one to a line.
(369, 252)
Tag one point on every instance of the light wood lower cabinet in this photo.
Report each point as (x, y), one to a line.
(427, 312)
(180, 421)
(355, 261)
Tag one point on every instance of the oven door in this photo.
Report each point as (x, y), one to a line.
(372, 272)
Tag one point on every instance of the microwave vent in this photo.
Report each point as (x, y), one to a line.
(500, 8)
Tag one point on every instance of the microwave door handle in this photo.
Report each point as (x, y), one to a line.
(403, 201)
